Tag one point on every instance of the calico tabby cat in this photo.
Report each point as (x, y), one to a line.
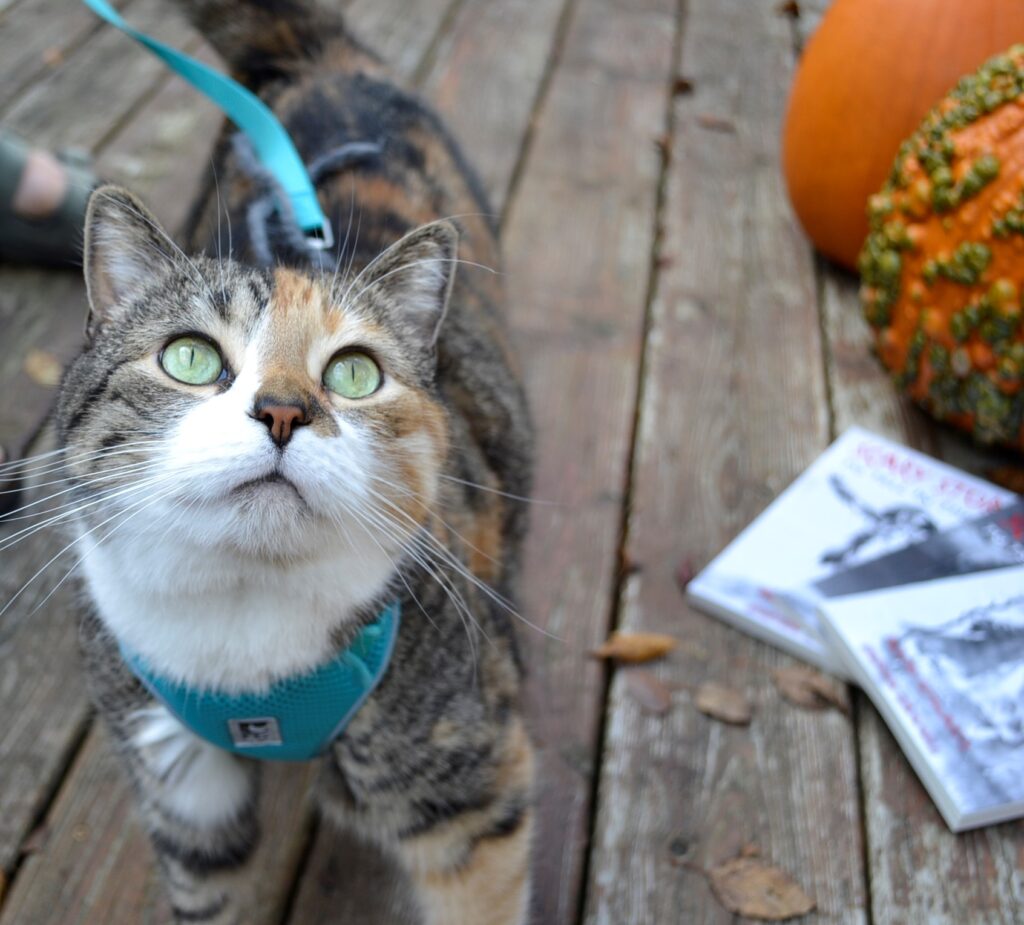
(271, 450)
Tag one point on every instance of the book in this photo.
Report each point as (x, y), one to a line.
(865, 497)
(943, 662)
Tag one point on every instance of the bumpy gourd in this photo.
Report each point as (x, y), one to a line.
(943, 266)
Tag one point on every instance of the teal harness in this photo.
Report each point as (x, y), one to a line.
(298, 717)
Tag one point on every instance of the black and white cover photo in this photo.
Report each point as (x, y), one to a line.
(944, 663)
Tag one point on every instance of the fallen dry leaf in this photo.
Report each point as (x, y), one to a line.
(808, 688)
(1009, 477)
(636, 647)
(681, 86)
(789, 8)
(747, 886)
(648, 691)
(723, 703)
(53, 56)
(715, 123)
(42, 367)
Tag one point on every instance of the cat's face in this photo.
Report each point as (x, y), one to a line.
(270, 412)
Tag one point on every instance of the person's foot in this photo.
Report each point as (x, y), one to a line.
(43, 185)
(43, 198)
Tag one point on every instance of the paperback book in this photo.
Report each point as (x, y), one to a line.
(943, 661)
(862, 500)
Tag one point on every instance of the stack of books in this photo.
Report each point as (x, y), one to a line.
(906, 576)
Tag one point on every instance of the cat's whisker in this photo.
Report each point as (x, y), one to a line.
(395, 565)
(220, 258)
(10, 464)
(3, 610)
(421, 556)
(15, 514)
(79, 483)
(25, 532)
(408, 266)
(348, 231)
(445, 554)
(498, 491)
(10, 470)
(404, 538)
(422, 502)
(188, 260)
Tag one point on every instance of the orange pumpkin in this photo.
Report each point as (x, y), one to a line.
(943, 267)
(867, 78)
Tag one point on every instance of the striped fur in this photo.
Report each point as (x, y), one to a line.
(228, 560)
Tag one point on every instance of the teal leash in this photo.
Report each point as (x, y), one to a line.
(272, 144)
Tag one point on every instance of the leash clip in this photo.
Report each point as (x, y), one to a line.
(320, 239)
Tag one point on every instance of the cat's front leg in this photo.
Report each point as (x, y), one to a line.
(474, 867)
(198, 805)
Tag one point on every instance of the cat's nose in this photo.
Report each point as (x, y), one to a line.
(281, 419)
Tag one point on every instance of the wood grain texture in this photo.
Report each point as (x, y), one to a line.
(43, 694)
(83, 99)
(95, 865)
(733, 408)
(490, 66)
(919, 870)
(578, 242)
(402, 35)
(36, 37)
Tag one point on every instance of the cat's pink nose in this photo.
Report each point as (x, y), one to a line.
(281, 420)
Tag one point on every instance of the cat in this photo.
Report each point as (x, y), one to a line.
(270, 450)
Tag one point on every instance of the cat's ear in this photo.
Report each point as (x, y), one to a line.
(123, 245)
(414, 279)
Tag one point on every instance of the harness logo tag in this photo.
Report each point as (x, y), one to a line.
(254, 732)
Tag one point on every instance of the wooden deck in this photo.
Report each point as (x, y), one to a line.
(687, 356)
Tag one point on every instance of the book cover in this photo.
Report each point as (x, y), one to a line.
(943, 661)
(863, 498)
(993, 541)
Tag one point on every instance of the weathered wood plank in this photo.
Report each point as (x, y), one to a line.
(402, 36)
(84, 98)
(919, 870)
(579, 236)
(40, 310)
(42, 692)
(490, 69)
(37, 37)
(95, 866)
(733, 407)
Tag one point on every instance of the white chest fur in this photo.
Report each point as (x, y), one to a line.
(215, 618)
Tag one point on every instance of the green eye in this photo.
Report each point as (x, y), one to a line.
(192, 361)
(352, 375)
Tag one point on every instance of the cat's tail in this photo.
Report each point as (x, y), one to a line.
(263, 40)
